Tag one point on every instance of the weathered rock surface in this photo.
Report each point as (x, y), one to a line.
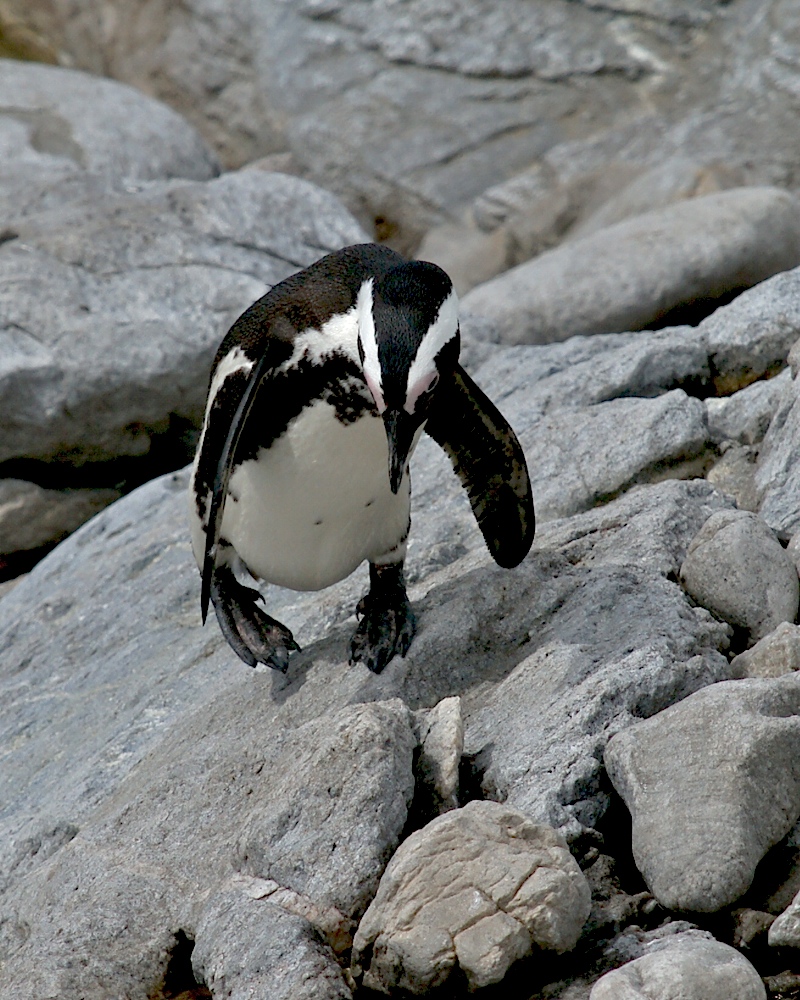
(65, 134)
(723, 765)
(476, 889)
(629, 276)
(441, 746)
(778, 469)
(785, 929)
(31, 516)
(249, 948)
(745, 415)
(691, 965)
(113, 308)
(776, 654)
(413, 110)
(736, 567)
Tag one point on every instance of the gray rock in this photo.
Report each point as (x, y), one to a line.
(694, 966)
(31, 516)
(577, 685)
(249, 948)
(785, 929)
(441, 740)
(66, 134)
(722, 764)
(112, 308)
(469, 255)
(735, 474)
(628, 276)
(180, 776)
(477, 889)
(339, 798)
(776, 654)
(745, 416)
(736, 568)
(778, 470)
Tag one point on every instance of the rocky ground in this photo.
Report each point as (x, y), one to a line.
(582, 783)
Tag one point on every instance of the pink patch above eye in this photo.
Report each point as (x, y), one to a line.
(377, 395)
(424, 384)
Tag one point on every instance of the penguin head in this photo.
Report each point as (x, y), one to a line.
(408, 343)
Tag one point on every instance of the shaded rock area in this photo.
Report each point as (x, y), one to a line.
(582, 780)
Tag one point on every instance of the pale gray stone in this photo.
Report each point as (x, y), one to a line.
(441, 740)
(723, 766)
(477, 888)
(467, 254)
(629, 275)
(693, 966)
(66, 134)
(735, 474)
(745, 416)
(248, 948)
(778, 469)
(31, 516)
(785, 929)
(112, 309)
(738, 569)
(776, 654)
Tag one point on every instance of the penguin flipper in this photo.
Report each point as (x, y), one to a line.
(490, 463)
(224, 465)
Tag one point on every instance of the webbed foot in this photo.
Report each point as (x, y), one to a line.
(251, 633)
(388, 623)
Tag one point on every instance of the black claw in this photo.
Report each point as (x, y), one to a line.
(388, 623)
(250, 632)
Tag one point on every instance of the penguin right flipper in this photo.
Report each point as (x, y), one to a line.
(490, 463)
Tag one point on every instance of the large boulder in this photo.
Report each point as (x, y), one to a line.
(723, 766)
(633, 274)
(66, 134)
(113, 307)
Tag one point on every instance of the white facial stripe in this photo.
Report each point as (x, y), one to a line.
(440, 332)
(366, 328)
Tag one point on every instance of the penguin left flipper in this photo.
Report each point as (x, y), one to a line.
(490, 463)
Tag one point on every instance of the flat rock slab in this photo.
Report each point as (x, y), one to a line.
(478, 889)
(112, 308)
(723, 764)
(65, 134)
(737, 568)
(690, 965)
(628, 276)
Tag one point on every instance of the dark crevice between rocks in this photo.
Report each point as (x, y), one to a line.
(7, 235)
(694, 311)
(178, 981)
(168, 452)
(14, 564)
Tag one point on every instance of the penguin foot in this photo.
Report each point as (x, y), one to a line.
(251, 633)
(387, 622)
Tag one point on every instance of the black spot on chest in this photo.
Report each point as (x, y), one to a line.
(336, 379)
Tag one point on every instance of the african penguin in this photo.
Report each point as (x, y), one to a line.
(318, 396)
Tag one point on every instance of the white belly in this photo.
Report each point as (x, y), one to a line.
(308, 511)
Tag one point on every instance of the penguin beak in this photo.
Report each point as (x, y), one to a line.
(400, 429)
